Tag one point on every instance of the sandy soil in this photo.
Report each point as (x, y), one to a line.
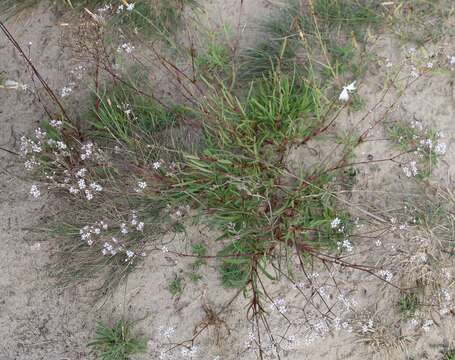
(39, 321)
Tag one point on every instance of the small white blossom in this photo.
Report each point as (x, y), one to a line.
(130, 7)
(141, 185)
(61, 145)
(123, 228)
(127, 47)
(441, 148)
(335, 223)
(386, 275)
(414, 72)
(347, 245)
(56, 124)
(30, 164)
(96, 187)
(66, 91)
(107, 248)
(81, 173)
(167, 333)
(81, 184)
(189, 353)
(280, 305)
(411, 170)
(88, 194)
(34, 191)
(427, 325)
(344, 95)
(86, 151)
(368, 327)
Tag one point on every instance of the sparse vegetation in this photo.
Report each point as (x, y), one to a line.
(116, 342)
(408, 304)
(176, 286)
(269, 150)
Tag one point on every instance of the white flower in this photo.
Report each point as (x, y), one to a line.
(386, 274)
(280, 305)
(123, 228)
(347, 245)
(427, 324)
(61, 145)
(130, 7)
(81, 184)
(73, 190)
(88, 195)
(140, 226)
(167, 333)
(96, 187)
(344, 95)
(40, 134)
(120, 8)
(335, 223)
(127, 47)
(66, 91)
(441, 148)
(411, 170)
(86, 151)
(34, 191)
(105, 8)
(141, 185)
(81, 173)
(189, 353)
(156, 165)
(451, 60)
(30, 164)
(56, 124)
(107, 248)
(414, 73)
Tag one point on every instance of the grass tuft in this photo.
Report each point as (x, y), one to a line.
(116, 342)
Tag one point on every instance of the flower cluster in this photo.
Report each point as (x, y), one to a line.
(126, 47)
(411, 170)
(279, 305)
(88, 232)
(34, 191)
(117, 243)
(32, 148)
(81, 184)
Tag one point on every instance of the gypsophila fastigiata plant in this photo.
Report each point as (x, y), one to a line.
(263, 158)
